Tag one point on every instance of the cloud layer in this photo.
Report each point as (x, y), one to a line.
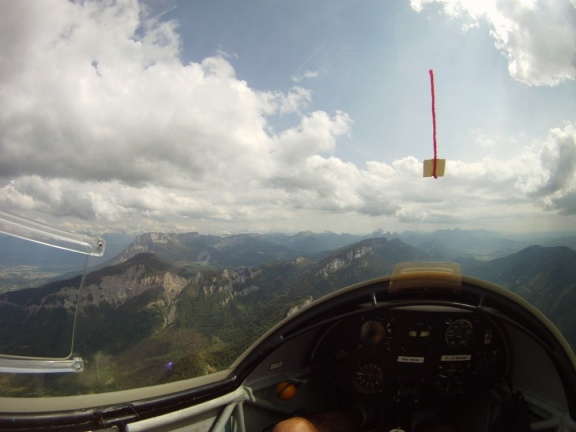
(103, 123)
(538, 37)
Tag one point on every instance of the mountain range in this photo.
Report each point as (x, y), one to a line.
(172, 306)
(26, 264)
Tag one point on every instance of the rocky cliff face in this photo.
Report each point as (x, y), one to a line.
(114, 289)
(385, 252)
(340, 262)
(115, 286)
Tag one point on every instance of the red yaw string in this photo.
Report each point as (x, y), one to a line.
(431, 72)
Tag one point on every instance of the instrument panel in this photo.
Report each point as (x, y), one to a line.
(422, 350)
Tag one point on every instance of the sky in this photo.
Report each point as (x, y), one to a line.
(288, 115)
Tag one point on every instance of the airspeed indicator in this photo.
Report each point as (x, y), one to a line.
(459, 334)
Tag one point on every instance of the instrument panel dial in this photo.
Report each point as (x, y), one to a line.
(460, 334)
(368, 378)
(372, 334)
(376, 333)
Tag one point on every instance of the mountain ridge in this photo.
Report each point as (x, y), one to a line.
(146, 303)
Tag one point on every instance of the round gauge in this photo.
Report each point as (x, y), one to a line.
(459, 334)
(339, 355)
(451, 378)
(368, 378)
(372, 333)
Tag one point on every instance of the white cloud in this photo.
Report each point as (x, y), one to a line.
(305, 76)
(468, 192)
(316, 133)
(537, 36)
(553, 182)
(102, 122)
(292, 102)
(92, 99)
